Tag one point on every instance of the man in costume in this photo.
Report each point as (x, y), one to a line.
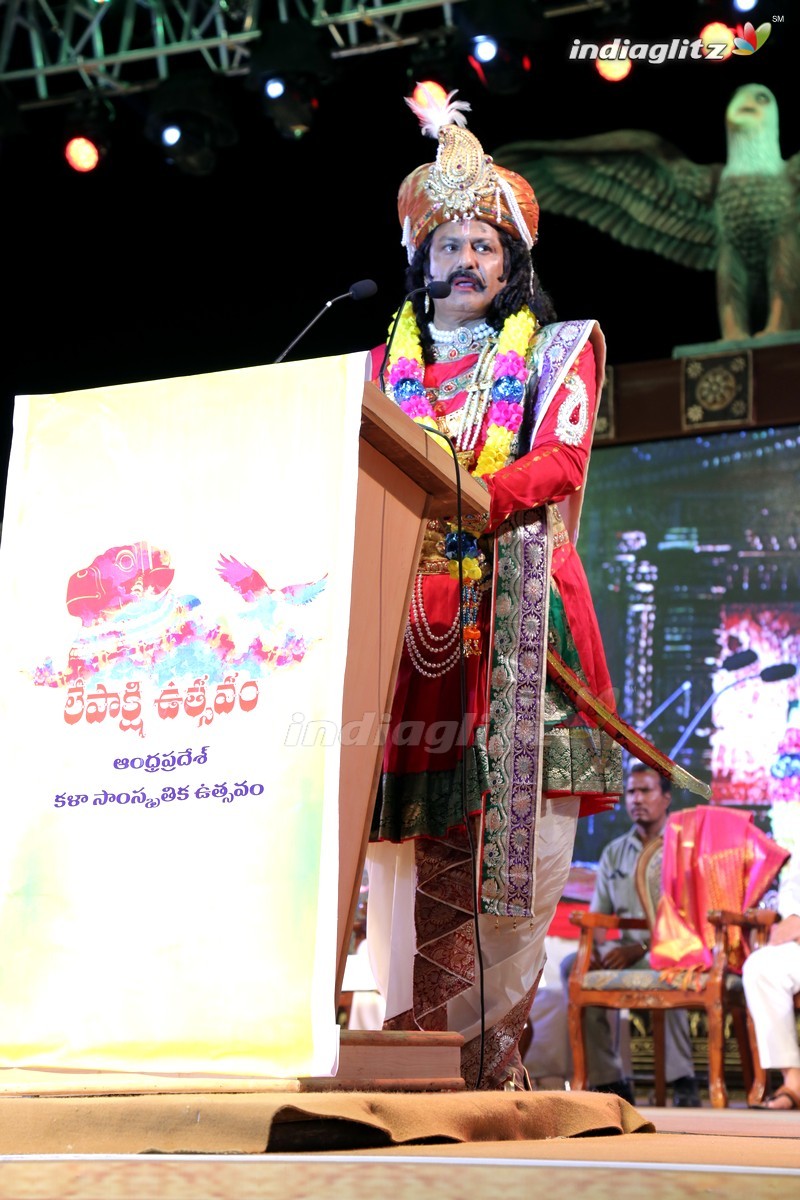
(771, 977)
(647, 799)
(478, 801)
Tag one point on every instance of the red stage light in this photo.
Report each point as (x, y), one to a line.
(613, 69)
(714, 34)
(82, 154)
(428, 92)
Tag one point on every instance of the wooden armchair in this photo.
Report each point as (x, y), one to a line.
(715, 992)
(755, 925)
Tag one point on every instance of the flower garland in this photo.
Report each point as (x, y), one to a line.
(502, 401)
(498, 405)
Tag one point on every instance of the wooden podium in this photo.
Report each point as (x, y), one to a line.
(404, 479)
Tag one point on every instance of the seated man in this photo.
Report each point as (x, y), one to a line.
(647, 799)
(771, 977)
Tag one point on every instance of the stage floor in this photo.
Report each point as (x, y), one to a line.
(735, 1153)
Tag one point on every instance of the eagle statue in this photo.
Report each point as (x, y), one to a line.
(739, 218)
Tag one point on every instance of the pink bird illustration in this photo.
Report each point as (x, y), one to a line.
(253, 588)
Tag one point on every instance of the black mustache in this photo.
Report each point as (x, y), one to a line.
(470, 276)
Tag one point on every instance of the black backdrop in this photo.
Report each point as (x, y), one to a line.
(137, 271)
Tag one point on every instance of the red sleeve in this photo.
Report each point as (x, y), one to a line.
(554, 467)
(377, 361)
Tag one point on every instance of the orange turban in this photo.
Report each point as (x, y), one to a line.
(463, 183)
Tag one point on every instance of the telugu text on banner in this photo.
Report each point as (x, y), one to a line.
(176, 567)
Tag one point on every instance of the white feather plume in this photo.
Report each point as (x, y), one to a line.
(434, 115)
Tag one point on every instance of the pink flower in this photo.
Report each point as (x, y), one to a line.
(510, 365)
(506, 415)
(405, 368)
(417, 406)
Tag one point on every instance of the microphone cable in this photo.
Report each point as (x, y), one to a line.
(462, 669)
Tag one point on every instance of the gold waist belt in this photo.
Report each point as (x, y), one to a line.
(433, 566)
(432, 559)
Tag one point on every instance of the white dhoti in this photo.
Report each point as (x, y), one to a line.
(771, 977)
(512, 949)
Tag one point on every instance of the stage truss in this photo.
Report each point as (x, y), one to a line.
(51, 53)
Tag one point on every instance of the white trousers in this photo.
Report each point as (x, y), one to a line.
(512, 949)
(771, 976)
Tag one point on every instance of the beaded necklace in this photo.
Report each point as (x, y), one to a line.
(494, 398)
(422, 642)
(449, 344)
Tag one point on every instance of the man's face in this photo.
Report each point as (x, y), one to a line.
(469, 256)
(646, 803)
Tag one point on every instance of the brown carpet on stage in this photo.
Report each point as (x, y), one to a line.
(225, 1123)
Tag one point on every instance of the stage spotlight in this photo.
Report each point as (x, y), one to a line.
(87, 134)
(498, 39)
(484, 48)
(82, 154)
(274, 88)
(613, 69)
(288, 68)
(744, 6)
(290, 102)
(504, 73)
(189, 121)
(427, 92)
(717, 34)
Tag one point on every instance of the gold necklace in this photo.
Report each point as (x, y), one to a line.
(476, 405)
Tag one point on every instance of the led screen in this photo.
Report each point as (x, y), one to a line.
(691, 549)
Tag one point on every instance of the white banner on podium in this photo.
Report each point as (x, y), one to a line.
(176, 566)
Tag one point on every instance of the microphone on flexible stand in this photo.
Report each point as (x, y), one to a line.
(358, 291)
(437, 289)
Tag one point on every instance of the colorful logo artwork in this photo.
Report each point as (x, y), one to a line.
(751, 39)
(136, 630)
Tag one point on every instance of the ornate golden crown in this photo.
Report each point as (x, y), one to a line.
(463, 183)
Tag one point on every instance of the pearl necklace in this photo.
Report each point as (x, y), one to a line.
(432, 670)
(419, 631)
(445, 640)
(455, 343)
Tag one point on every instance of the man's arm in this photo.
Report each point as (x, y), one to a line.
(555, 466)
(788, 929)
(614, 955)
(618, 956)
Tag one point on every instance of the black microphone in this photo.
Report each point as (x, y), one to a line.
(778, 671)
(437, 289)
(359, 291)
